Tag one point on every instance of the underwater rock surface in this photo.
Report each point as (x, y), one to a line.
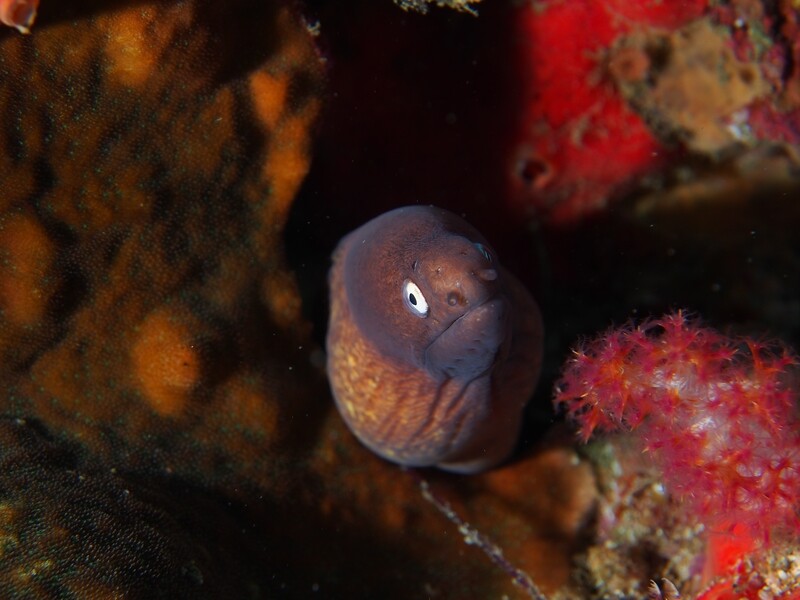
(151, 152)
(70, 528)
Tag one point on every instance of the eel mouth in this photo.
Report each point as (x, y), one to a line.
(458, 319)
(469, 346)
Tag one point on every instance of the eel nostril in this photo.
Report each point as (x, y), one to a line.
(454, 298)
(487, 274)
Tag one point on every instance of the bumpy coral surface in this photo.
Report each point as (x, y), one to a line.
(150, 155)
(579, 139)
(617, 93)
(690, 87)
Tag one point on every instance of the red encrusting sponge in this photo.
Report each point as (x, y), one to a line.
(579, 139)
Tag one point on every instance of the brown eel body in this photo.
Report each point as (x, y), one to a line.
(433, 347)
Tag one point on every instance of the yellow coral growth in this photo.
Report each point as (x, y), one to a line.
(137, 39)
(26, 258)
(166, 363)
(269, 96)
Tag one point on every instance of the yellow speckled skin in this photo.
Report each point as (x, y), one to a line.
(400, 402)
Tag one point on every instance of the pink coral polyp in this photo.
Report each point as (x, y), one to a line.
(718, 415)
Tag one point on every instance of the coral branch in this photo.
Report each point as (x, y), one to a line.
(473, 537)
(718, 415)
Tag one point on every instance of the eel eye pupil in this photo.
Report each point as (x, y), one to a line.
(414, 299)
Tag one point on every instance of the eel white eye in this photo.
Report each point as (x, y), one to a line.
(414, 300)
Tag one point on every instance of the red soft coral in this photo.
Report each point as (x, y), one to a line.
(718, 415)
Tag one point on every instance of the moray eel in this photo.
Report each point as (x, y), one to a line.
(433, 347)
